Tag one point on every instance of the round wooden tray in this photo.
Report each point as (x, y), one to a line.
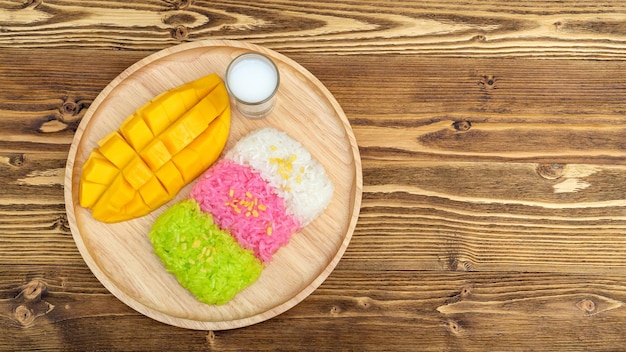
(120, 255)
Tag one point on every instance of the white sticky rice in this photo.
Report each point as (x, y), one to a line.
(287, 166)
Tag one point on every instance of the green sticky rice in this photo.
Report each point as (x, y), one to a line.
(206, 260)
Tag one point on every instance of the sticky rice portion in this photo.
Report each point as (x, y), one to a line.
(205, 260)
(286, 165)
(245, 205)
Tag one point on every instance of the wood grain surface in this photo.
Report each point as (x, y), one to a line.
(492, 140)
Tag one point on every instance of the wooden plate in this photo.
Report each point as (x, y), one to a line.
(120, 255)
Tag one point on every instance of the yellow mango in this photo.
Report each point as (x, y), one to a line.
(184, 161)
(215, 134)
(97, 169)
(135, 205)
(170, 177)
(177, 137)
(111, 202)
(156, 117)
(137, 173)
(190, 97)
(158, 149)
(116, 150)
(154, 194)
(174, 107)
(136, 131)
(155, 154)
(90, 192)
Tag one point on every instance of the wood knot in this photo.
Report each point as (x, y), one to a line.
(72, 109)
(180, 32)
(466, 291)
(210, 337)
(68, 117)
(365, 303)
(16, 160)
(586, 305)
(33, 290)
(488, 82)
(69, 108)
(28, 304)
(24, 315)
(462, 126)
(551, 171)
(479, 38)
(335, 310)
(63, 224)
(453, 327)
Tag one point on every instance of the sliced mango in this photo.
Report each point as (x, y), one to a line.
(177, 137)
(98, 169)
(215, 135)
(90, 191)
(154, 194)
(158, 149)
(136, 131)
(155, 154)
(137, 172)
(111, 202)
(136, 205)
(156, 117)
(170, 177)
(117, 150)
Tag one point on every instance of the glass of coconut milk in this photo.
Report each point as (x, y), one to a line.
(252, 79)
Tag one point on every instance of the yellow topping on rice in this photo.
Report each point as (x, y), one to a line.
(250, 205)
(285, 168)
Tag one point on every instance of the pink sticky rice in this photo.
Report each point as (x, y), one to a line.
(244, 204)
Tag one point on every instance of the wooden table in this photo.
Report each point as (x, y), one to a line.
(493, 147)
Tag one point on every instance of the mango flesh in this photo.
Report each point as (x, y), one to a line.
(160, 148)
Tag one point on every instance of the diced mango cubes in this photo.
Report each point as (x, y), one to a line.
(136, 132)
(161, 147)
(170, 177)
(116, 150)
(98, 169)
(90, 192)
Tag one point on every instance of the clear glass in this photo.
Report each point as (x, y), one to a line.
(252, 79)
